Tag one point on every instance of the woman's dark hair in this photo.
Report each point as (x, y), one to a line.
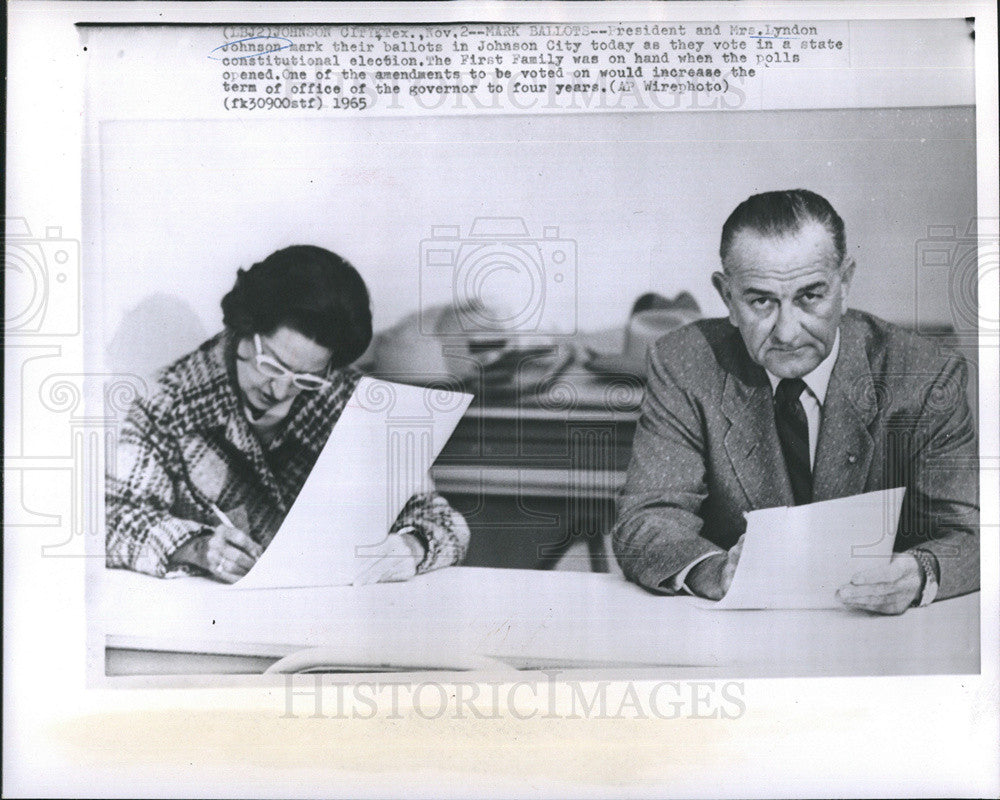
(312, 291)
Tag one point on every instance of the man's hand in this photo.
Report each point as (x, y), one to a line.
(711, 578)
(394, 559)
(227, 554)
(886, 589)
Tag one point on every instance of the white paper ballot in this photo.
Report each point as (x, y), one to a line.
(376, 458)
(798, 556)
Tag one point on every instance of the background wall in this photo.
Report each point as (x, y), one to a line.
(644, 196)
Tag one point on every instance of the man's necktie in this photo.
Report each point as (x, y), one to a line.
(793, 432)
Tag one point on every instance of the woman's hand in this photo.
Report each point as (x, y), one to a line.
(394, 559)
(227, 554)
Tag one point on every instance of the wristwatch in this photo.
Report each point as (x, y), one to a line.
(929, 569)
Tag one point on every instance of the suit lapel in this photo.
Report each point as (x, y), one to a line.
(751, 442)
(845, 448)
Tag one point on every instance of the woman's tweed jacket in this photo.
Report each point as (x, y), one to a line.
(189, 444)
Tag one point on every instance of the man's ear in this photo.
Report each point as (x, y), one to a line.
(846, 276)
(721, 283)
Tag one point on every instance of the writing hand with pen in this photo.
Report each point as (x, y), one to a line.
(227, 553)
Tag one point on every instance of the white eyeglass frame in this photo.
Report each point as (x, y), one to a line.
(270, 367)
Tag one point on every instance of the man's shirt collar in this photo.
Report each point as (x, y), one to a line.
(818, 380)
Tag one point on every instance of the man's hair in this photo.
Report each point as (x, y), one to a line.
(308, 289)
(778, 214)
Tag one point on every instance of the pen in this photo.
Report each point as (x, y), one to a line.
(222, 517)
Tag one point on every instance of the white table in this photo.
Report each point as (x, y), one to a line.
(467, 618)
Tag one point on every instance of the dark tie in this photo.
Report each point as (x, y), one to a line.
(793, 432)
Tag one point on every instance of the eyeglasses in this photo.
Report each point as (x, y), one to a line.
(271, 368)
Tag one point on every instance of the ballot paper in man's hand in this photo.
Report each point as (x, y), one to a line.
(376, 458)
(798, 556)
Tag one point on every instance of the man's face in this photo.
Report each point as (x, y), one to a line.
(293, 351)
(786, 295)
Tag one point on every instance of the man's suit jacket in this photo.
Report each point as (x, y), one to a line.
(706, 449)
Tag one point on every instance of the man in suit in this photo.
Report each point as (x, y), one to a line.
(795, 399)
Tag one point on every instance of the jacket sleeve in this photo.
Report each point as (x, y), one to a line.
(442, 530)
(657, 533)
(142, 534)
(942, 509)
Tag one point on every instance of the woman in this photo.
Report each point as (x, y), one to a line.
(231, 431)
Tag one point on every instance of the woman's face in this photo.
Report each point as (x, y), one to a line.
(296, 353)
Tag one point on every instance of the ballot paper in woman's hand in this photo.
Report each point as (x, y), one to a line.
(798, 556)
(376, 458)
